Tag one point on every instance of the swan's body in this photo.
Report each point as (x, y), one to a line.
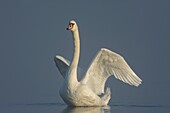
(86, 91)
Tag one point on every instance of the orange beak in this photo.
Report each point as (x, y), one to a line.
(70, 26)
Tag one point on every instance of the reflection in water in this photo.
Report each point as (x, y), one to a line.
(87, 110)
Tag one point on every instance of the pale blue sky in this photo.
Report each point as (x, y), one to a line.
(33, 32)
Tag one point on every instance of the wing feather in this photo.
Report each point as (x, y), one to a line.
(62, 65)
(105, 64)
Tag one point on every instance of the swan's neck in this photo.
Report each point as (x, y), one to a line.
(72, 77)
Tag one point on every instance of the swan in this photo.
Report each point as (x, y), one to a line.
(89, 91)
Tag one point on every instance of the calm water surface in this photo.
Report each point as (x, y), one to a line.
(62, 108)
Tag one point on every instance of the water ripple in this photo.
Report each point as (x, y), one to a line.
(145, 106)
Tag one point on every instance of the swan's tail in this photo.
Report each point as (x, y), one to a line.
(106, 97)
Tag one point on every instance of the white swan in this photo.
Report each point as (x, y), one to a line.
(88, 91)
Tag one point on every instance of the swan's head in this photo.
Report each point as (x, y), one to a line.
(72, 26)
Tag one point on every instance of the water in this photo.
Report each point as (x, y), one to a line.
(62, 108)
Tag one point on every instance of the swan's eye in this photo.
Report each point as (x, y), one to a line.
(71, 24)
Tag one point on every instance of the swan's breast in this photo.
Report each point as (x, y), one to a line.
(81, 96)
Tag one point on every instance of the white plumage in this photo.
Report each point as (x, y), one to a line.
(86, 91)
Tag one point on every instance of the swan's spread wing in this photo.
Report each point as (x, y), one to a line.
(63, 65)
(105, 64)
